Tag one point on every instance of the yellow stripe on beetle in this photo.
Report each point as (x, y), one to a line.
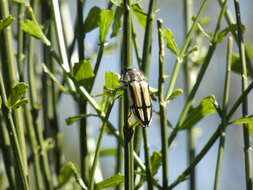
(139, 97)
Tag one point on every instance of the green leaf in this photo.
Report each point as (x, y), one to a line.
(171, 43)
(91, 22)
(67, 172)
(236, 65)
(105, 21)
(84, 74)
(112, 80)
(206, 107)
(49, 143)
(20, 103)
(110, 182)
(33, 29)
(117, 22)
(249, 50)
(17, 94)
(224, 32)
(71, 120)
(156, 162)
(25, 2)
(108, 152)
(244, 120)
(120, 2)
(177, 92)
(6, 22)
(140, 14)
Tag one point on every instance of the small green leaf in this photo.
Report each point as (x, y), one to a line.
(110, 182)
(67, 172)
(105, 21)
(171, 43)
(224, 32)
(117, 22)
(156, 162)
(91, 22)
(49, 144)
(33, 29)
(71, 120)
(236, 65)
(17, 94)
(176, 93)
(120, 2)
(245, 120)
(20, 103)
(204, 21)
(206, 107)
(112, 80)
(108, 152)
(25, 2)
(84, 74)
(140, 14)
(6, 22)
(249, 50)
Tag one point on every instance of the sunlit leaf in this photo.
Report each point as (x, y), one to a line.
(176, 93)
(116, 26)
(206, 107)
(6, 22)
(140, 14)
(156, 162)
(236, 65)
(17, 94)
(71, 120)
(170, 40)
(33, 29)
(249, 50)
(84, 74)
(20, 103)
(110, 182)
(244, 120)
(112, 80)
(224, 32)
(68, 171)
(105, 21)
(91, 22)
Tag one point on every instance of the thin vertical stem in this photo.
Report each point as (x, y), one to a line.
(220, 157)
(188, 13)
(128, 131)
(97, 151)
(147, 160)
(246, 132)
(34, 110)
(163, 106)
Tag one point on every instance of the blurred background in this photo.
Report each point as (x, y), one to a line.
(172, 14)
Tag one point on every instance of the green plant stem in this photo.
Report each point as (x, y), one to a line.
(200, 76)
(12, 78)
(83, 138)
(188, 13)
(7, 113)
(147, 44)
(7, 154)
(34, 110)
(246, 132)
(183, 50)
(136, 46)
(97, 151)
(147, 160)
(126, 63)
(221, 148)
(163, 106)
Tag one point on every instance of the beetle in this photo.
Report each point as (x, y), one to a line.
(138, 95)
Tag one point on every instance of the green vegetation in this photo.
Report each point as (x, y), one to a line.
(36, 71)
